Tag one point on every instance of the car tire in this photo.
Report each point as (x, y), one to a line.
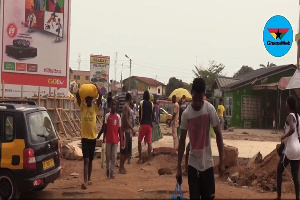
(41, 188)
(8, 186)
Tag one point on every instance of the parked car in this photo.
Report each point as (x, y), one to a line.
(29, 149)
(165, 117)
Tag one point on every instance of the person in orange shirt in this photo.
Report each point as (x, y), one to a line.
(221, 110)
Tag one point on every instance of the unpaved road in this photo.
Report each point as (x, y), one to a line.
(141, 182)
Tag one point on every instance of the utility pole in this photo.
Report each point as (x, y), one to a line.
(129, 88)
(79, 61)
(116, 61)
(122, 77)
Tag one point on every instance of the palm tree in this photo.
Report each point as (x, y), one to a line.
(268, 65)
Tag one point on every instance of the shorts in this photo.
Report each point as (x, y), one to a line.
(128, 144)
(201, 183)
(146, 131)
(88, 148)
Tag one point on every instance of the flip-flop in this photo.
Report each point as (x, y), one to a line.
(83, 186)
(90, 183)
(122, 172)
(139, 161)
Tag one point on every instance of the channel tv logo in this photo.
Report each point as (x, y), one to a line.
(278, 36)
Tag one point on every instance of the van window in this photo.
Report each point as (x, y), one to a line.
(40, 127)
(9, 129)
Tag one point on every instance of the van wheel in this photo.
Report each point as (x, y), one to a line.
(41, 187)
(8, 186)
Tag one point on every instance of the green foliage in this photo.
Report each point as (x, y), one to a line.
(268, 65)
(173, 84)
(244, 70)
(208, 75)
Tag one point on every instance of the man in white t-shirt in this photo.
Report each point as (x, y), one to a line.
(196, 119)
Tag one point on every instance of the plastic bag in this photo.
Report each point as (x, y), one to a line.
(177, 188)
(88, 90)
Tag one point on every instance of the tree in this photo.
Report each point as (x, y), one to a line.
(173, 84)
(209, 74)
(188, 87)
(268, 65)
(244, 70)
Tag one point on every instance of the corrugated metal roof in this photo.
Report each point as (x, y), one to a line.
(223, 81)
(257, 74)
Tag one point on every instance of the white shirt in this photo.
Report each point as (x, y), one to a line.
(197, 123)
(292, 144)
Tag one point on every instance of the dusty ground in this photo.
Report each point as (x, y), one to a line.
(144, 182)
(141, 182)
(241, 134)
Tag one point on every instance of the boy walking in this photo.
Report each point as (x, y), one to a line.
(111, 137)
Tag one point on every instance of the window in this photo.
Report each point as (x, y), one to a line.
(76, 77)
(228, 106)
(158, 90)
(87, 78)
(9, 129)
(41, 127)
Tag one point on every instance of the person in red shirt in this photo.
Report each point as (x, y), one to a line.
(111, 137)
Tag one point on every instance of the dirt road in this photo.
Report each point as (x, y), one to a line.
(141, 182)
(241, 134)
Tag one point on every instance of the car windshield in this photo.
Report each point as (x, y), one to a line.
(41, 127)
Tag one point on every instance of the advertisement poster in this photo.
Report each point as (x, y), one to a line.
(100, 72)
(35, 47)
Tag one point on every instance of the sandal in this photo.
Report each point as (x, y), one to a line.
(139, 161)
(90, 183)
(122, 172)
(83, 186)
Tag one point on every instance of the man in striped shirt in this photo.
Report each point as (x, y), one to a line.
(121, 98)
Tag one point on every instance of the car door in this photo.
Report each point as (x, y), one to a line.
(1, 136)
(162, 115)
(11, 148)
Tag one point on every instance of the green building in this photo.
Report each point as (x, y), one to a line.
(252, 100)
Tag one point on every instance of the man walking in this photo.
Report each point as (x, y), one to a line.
(221, 111)
(182, 107)
(197, 119)
(121, 98)
(175, 122)
(146, 115)
(88, 134)
(126, 129)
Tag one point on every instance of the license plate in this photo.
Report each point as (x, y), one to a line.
(48, 164)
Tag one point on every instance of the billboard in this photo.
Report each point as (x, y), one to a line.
(99, 72)
(35, 47)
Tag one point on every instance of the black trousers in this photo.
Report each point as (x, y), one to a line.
(294, 170)
(201, 183)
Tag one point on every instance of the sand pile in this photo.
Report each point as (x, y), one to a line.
(262, 175)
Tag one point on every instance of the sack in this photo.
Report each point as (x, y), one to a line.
(174, 197)
(280, 149)
(88, 90)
